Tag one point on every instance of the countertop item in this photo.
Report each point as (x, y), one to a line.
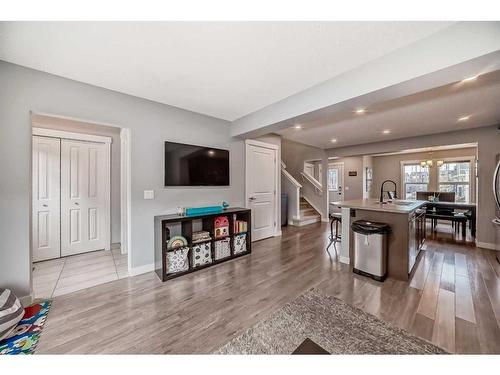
(395, 206)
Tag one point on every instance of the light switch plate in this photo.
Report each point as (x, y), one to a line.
(149, 194)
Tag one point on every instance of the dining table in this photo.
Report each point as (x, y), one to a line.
(458, 206)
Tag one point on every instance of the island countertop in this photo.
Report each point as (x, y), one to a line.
(394, 206)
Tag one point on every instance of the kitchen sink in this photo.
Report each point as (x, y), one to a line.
(403, 203)
(397, 203)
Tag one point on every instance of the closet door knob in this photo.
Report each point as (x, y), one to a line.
(44, 205)
(77, 203)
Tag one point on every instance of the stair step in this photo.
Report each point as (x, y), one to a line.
(307, 220)
(308, 212)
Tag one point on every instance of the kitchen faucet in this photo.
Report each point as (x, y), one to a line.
(382, 190)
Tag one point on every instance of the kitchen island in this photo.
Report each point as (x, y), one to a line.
(407, 222)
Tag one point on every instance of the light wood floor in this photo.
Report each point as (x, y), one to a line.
(453, 299)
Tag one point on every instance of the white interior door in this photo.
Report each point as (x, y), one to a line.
(261, 177)
(46, 242)
(85, 196)
(336, 182)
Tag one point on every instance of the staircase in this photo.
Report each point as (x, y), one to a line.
(308, 215)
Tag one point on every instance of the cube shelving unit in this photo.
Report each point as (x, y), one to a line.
(162, 235)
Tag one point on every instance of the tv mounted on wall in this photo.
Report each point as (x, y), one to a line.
(190, 165)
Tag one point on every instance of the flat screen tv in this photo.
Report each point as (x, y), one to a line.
(190, 165)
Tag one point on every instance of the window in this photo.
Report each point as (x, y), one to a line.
(333, 181)
(454, 176)
(416, 178)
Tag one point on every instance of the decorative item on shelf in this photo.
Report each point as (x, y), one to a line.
(221, 226)
(176, 241)
(240, 243)
(201, 254)
(222, 249)
(201, 236)
(240, 226)
(225, 205)
(177, 260)
(181, 211)
(191, 211)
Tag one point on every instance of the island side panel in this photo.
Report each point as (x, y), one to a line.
(345, 254)
(397, 252)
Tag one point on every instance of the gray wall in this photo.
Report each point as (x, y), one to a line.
(353, 185)
(49, 122)
(293, 155)
(150, 125)
(488, 141)
(388, 167)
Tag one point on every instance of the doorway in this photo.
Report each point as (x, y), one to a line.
(80, 227)
(336, 182)
(261, 187)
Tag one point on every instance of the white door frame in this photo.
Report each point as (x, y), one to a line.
(125, 188)
(61, 134)
(277, 172)
(333, 162)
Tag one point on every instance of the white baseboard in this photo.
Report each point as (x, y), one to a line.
(325, 220)
(487, 245)
(278, 234)
(344, 260)
(26, 300)
(142, 269)
(115, 246)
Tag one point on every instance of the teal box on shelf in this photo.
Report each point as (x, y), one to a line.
(203, 210)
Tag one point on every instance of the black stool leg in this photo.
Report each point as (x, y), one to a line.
(331, 235)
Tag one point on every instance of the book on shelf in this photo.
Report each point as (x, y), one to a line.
(240, 226)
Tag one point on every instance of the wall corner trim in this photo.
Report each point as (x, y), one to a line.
(344, 260)
(142, 269)
(487, 245)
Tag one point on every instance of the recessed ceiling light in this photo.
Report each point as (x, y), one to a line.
(298, 126)
(464, 118)
(360, 111)
(387, 131)
(334, 140)
(468, 79)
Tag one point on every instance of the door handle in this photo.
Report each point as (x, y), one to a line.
(44, 205)
(77, 203)
(252, 198)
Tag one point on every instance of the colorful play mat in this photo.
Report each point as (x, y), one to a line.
(23, 339)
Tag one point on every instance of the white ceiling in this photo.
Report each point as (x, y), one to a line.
(427, 112)
(223, 69)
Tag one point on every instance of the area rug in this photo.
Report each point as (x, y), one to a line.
(24, 338)
(331, 323)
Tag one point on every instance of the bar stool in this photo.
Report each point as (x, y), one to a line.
(336, 219)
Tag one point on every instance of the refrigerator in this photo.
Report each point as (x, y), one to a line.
(496, 192)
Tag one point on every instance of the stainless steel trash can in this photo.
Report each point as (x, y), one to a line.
(370, 249)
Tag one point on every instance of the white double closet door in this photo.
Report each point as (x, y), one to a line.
(71, 197)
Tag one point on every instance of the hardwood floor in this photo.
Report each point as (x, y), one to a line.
(452, 300)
